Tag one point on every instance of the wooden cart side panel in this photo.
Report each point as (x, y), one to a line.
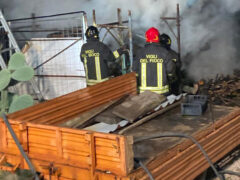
(112, 153)
(58, 146)
(7, 143)
(104, 176)
(82, 149)
(3, 138)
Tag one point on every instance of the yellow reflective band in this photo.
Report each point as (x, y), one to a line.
(158, 90)
(175, 60)
(144, 74)
(85, 65)
(159, 75)
(169, 41)
(98, 69)
(91, 82)
(154, 88)
(116, 54)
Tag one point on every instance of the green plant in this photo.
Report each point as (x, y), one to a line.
(17, 71)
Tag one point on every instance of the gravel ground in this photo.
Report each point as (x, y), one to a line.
(19, 175)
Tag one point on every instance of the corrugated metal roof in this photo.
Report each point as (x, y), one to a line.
(63, 108)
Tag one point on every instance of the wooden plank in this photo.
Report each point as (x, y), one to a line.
(59, 143)
(94, 113)
(139, 105)
(3, 135)
(151, 116)
(107, 116)
(92, 155)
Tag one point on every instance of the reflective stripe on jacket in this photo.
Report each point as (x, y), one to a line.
(96, 57)
(153, 67)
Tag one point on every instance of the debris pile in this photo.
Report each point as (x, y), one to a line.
(225, 90)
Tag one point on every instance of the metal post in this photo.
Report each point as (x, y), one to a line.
(130, 39)
(17, 49)
(120, 31)
(31, 167)
(178, 32)
(84, 26)
(9, 34)
(2, 62)
(94, 18)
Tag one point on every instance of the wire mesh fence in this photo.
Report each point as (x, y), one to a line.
(52, 45)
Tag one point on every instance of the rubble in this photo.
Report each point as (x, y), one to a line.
(223, 90)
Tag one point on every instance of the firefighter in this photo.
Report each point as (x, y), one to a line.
(166, 42)
(176, 86)
(97, 58)
(154, 68)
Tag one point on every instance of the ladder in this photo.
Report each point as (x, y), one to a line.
(14, 45)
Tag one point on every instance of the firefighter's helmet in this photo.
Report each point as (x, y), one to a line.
(92, 32)
(165, 40)
(152, 35)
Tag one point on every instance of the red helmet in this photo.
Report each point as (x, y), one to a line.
(152, 35)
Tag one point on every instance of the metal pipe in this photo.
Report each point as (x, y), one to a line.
(9, 34)
(48, 39)
(178, 32)
(56, 54)
(115, 23)
(105, 34)
(74, 29)
(169, 18)
(68, 76)
(85, 25)
(130, 39)
(180, 135)
(112, 26)
(5, 119)
(6, 50)
(120, 23)
(170, 28)
(120, 32)
(119, 42)
(40, 17)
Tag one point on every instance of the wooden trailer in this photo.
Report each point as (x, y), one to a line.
(75, 154)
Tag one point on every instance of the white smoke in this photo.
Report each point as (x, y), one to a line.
(208, 27)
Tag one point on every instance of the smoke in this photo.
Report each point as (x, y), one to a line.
(209, 28)
(211, 38)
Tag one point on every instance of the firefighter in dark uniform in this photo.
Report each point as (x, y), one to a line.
(97, 58)
(178, 85)
(166, 42)
(154, 68)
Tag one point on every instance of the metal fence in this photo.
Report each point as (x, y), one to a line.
(51, 45)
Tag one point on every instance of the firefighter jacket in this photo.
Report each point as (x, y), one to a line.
(154, 68)
(176, 82)
(96, 57)
(174, 57)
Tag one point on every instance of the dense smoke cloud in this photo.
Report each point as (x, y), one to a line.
(209, 28)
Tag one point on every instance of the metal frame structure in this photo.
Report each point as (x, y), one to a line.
(118, 35)
(178, 36)
(14, 45)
